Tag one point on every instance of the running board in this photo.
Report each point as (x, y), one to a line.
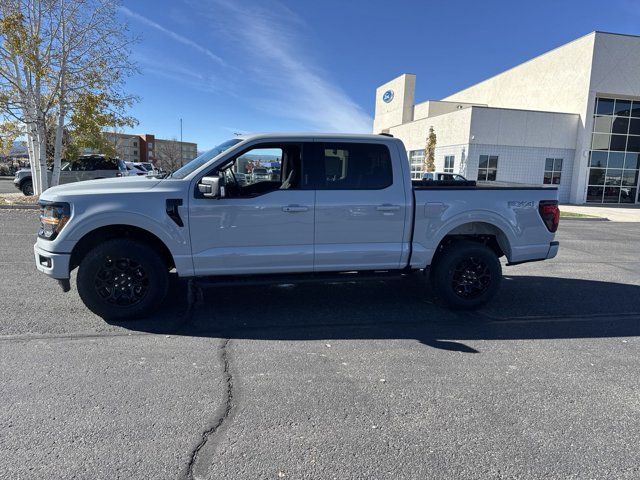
(271, 279)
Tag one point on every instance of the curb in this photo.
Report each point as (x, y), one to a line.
(19, 207)
(585, 219)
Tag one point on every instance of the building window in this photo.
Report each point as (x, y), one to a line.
(135, 152)
(449, 160)
(552, 171)
(416, 161)
(614, 159)
(135, 143)
(488, 168)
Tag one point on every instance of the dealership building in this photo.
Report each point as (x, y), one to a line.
(569, 117)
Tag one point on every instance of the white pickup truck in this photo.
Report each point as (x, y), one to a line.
(343, 203)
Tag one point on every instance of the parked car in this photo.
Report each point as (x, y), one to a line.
(443, 176)
(134, 169)
(363, 215)
(86, 167)
(241, 178)
(259, 174)
(275, 174)
(148, 166)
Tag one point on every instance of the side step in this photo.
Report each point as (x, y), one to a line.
(272, 279)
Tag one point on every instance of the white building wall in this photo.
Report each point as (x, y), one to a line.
(451, 129)
(501, 126)
(400, 109)
(523, 164)
(557, 81)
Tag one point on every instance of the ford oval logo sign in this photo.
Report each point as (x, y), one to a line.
(387, 96)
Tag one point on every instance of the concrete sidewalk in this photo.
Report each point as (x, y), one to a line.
(630, 213)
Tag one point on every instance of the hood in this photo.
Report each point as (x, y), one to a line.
(103, 186)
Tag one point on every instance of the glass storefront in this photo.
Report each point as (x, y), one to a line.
(614, 158)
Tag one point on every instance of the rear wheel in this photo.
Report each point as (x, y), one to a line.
(466, 275)
(122, 279)
(27, 188)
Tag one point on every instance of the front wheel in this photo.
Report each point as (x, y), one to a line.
(466, 275)
(122, 279)
(27, 188)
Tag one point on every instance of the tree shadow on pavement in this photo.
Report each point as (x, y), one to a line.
(527, 307)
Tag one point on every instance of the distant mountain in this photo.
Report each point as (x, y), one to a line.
(262, 158)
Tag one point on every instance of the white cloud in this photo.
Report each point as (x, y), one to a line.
(177, 37)
(299, 89)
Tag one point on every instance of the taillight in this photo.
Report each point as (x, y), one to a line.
(550, 214)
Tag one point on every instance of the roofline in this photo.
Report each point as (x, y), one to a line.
(486, 107)
(524, 110)
(249, 136)
(616, 33)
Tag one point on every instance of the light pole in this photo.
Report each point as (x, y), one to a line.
(181, 157)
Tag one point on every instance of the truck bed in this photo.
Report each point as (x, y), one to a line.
(473, 185)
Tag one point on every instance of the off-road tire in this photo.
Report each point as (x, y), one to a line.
(465, 275)
(122, 279)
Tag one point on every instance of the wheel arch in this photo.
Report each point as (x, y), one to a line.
(108, 232)
(479, 231)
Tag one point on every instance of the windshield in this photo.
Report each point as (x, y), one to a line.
(260, 170)
(197, 162)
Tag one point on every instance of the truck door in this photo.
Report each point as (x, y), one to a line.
(361, 209)
(261, 227)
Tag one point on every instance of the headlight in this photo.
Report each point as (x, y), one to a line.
(53, 217)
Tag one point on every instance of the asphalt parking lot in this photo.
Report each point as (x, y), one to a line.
(351, 380)
(7, 186)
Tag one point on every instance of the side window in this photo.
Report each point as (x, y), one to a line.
(353, 166)
(449, 160)
(259, 165)
(552, 171)
(488, 168)
(266, 168)
(80, 165)
(99, 163)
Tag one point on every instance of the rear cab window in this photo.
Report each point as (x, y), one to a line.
(352, 166)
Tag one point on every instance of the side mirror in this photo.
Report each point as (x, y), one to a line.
(212, 187)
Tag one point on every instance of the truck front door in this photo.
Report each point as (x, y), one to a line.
(261, 227)
(361, 209)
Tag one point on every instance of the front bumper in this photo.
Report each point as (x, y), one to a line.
(16, 183)
(55, 265)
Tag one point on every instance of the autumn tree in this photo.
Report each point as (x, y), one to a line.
(430, 151)
(58, 57)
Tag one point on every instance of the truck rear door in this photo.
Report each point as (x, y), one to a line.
(360, 206)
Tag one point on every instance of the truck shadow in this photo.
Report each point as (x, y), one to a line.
(527, 307)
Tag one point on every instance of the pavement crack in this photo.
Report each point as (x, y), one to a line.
(203, 452)
(201, 455)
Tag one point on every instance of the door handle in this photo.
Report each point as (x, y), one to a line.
(388, 208)
(294, 208)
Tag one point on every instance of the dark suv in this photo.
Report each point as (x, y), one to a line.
(86, 167)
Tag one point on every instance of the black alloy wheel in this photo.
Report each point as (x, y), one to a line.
(121, 281)
(465, 275)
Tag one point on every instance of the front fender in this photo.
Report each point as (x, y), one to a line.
(175, 238)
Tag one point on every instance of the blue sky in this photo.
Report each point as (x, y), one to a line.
(228, 66)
